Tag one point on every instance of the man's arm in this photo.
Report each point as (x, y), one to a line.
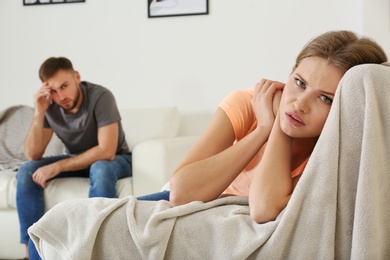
(105, 150)
(38, 137)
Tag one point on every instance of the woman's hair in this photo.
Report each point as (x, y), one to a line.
(50, 66)
(343, 49)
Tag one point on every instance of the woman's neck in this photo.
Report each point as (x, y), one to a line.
(301, 149)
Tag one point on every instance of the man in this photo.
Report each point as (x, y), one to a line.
(85, 117)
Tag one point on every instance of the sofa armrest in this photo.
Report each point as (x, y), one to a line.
(155, 160)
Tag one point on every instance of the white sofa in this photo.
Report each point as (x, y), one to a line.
(158, 138)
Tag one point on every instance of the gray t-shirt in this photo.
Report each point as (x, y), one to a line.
(79, 131)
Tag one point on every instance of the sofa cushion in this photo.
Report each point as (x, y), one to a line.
(62, 189)
(149, 123)
(7, 188)
(57, 190)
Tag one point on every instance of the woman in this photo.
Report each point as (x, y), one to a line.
(254, 147)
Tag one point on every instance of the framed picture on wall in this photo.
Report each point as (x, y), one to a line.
(165, 8)
(46, 2)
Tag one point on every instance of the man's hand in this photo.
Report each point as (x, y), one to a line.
(42, 98)
(45, 173)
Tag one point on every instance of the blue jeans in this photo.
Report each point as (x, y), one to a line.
(162, 195)
(29, 195)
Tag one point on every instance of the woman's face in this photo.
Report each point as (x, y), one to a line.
(307, 97)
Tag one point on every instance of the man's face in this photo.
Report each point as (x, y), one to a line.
(65, 90)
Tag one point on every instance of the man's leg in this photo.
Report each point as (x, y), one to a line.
(32, 251)
(104, 175)
(29, 195)
(162, 195)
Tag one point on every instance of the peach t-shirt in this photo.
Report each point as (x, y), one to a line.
(238, 108)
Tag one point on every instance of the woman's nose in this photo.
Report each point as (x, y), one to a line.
(302, 103)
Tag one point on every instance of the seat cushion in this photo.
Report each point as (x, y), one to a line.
(7, 189)
(63, 189)
(57, 190)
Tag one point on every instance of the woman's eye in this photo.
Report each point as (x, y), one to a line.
(300, 83)
(326, 99)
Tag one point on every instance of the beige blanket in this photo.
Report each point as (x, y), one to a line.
(339, 210)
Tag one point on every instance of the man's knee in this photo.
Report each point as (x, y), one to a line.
(26, 170)
(29, 166)
(99, 167)
(111, 170)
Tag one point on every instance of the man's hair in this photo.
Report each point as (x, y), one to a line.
(343, 49)
(53, 64)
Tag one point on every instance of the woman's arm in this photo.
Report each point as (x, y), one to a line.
(272, 186)
(214, 162)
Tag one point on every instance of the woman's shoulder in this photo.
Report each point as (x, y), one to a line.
(242, 93)
(238, 96)
(238, 107)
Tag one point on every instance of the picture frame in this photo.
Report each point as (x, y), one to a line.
(48, 2)
(168, 8)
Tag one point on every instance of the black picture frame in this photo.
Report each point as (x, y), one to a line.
(49, 2)
(169, 8)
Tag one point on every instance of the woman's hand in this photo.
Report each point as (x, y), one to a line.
(276, 101)
(266, 100)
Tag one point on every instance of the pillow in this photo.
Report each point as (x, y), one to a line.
(149, 123)
(15, 123)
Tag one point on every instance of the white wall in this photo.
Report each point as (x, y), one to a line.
(191, 61)
(376, 22)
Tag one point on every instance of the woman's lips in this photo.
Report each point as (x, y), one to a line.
(294, 119)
